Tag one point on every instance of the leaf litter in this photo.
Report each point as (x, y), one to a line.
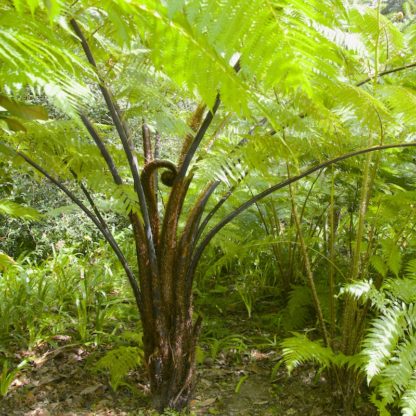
(60, 382)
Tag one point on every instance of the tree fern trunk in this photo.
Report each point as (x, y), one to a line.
(170, 358)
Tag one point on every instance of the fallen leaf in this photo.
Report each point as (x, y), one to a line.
(39, 412)
(90, 389)
(207, 402)
(61, 338)
(30, 398)
(261, 402)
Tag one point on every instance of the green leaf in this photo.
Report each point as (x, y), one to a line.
(33, 5)
(53, 7)
(5, 261)
(13, 124)
(395, 260)
(379, 265)
(24, 111)
(18, 5)
(19, 211)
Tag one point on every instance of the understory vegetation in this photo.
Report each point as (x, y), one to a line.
(197, 196)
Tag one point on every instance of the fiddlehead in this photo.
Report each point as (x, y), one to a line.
(147, 179)
(167, 177)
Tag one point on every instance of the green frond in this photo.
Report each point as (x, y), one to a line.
(126, 200)
(353, 104)
(298, 308)
(411, 269)
(390, 258)
(119, 362)
(393, 256)
(16, 210)
(373, 28)
(408, 399)
(381, 340)
(359, 289)
(396, 376)
(379, 265)
(298, 51)
(381, 405)
(401, 102)
(403, 289)
(33, 55)
(51, 7)
(299, 349)
(389, 347)
(364, 291)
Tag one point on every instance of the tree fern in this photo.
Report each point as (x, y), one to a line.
(297, 83)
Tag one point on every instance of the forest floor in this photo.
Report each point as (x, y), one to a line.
(60, 382)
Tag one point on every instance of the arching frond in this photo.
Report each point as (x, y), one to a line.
(381, 340)
(299, 349)
(16, 210)
(32, 55)
(395, 377)
(298, 51)
(408, 400)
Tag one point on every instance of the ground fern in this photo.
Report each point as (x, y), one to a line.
(118, 362)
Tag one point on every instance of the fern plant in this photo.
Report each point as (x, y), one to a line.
(268, 74)
(118, 362)
(389, 345)
(387, 355)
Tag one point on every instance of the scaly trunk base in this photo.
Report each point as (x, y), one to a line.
(171, 367)
(169, 399)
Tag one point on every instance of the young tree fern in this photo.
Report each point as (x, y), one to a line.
(293, 78)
